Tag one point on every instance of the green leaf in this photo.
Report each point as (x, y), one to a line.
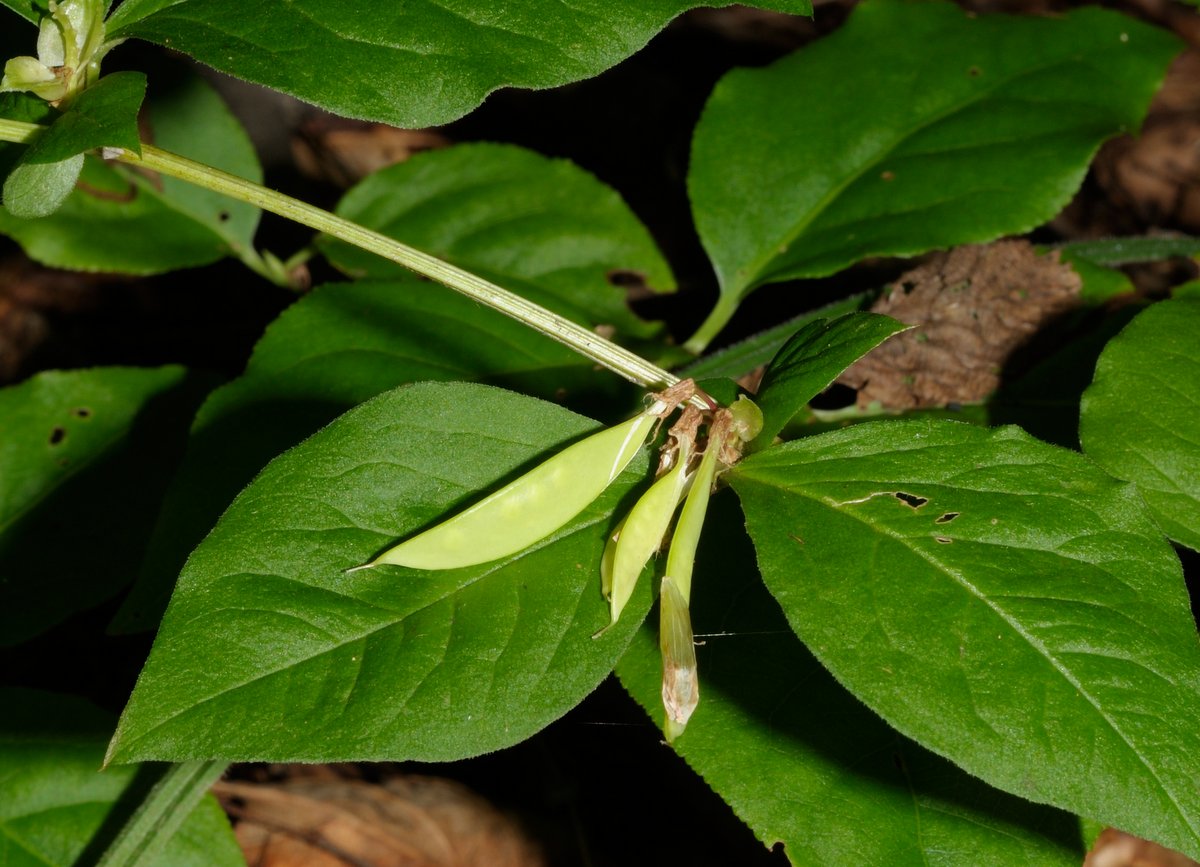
(121, 219)
(30, 10)
(1100, 282)
(337, 347)
(507, 212)
(811, 360)
(1004, 602)
(383, 663)
(802, 762)
(1141, 415)
(34, 190)
(55, 803)
(410, 66)
(809, 165)
(84, 458)
(1123, 251)
(104, 115)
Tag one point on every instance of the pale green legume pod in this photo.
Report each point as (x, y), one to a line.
(641, 534)
(681, 555)
(528, 509)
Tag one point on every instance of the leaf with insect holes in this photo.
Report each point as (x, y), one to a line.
(1004, 602)
(386, 663)
(568, 240)
(85, 456)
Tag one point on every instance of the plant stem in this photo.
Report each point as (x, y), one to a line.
(158, 817)
(579, 338)
(712, 325)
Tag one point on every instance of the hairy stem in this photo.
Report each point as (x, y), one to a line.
(579, 338)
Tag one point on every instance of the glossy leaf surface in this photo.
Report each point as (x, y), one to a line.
(1140, 418)
(409, 65)
(509, 213)
(84, 458)
(55, 800)
(133, 222)
(1002, 601)
(270, 651)
(802, 762)
(811, 360)
(808, 165)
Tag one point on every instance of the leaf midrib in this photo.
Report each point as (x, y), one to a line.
(1009, 620)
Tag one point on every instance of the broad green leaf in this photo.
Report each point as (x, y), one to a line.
(1004, 602)
(802, 762)
(103, 115)
(804, 167)
(407, 65)
(55, 802)
(811, 360)
(120, 219)
(269, 650)
(332, 350)
(1140, 418)
(505, 211)
(84, 459)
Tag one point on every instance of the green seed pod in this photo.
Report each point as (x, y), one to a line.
(680, 685)
(528, 509)
(643, 530)
(681, 556)
(607, 559)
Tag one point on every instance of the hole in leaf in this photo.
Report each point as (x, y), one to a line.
(82, 412)
(942, 540)
(626, 279)
(223, 217)
(57, 435)
(912, 500)
(947, 518)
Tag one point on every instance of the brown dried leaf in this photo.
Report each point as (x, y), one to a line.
(1115, 848)
(405, 822)
(974, 307)
(1154, 179)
